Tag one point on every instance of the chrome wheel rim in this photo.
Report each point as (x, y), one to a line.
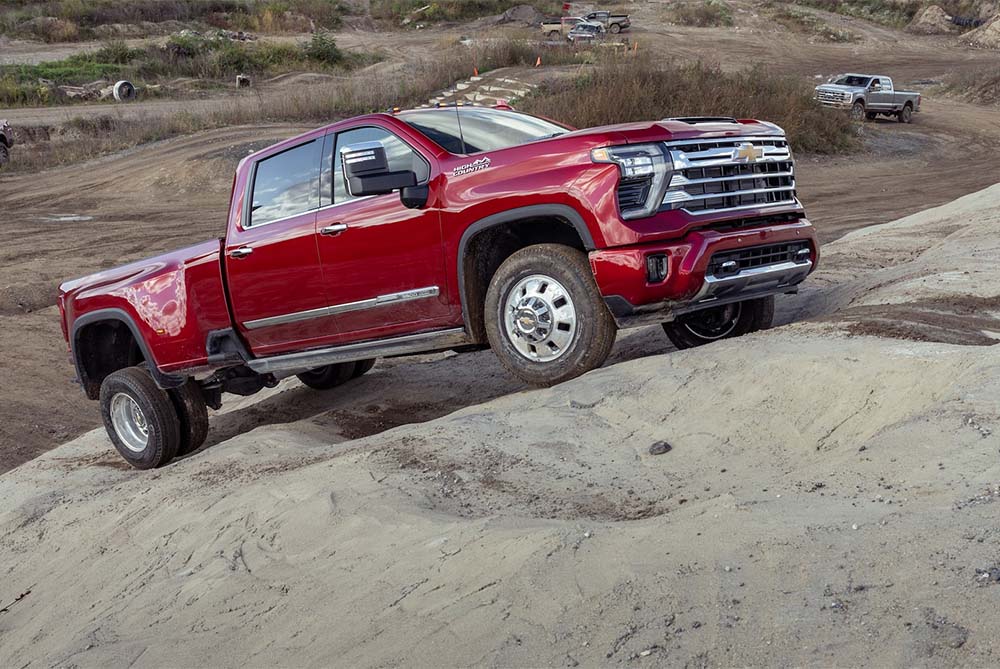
(129, 423)
(539, 318)
(714, 323)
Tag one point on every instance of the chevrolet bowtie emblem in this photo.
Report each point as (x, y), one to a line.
(748, 153)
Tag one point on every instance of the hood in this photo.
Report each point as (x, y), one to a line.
(679, 129)
(840, 88)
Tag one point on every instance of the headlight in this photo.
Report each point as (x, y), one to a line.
(645, 170)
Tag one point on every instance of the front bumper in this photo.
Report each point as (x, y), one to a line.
(843, 104)
(690, 285)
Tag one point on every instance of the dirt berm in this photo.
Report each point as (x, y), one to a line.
(830, 498)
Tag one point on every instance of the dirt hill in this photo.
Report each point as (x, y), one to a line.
(828, 499)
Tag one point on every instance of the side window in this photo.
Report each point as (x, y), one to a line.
(401, 157)
(286, 184)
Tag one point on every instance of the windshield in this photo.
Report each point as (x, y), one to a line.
(482, 129)
(853, 80)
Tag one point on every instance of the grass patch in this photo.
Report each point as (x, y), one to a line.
(702, 14)
(185, 55)
(801, 22)
(636, 89)
(69, 20)
(395, 11)
(895, 13)
(320, 104)
(981, 85)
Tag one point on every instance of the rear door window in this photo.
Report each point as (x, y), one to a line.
(286, 184)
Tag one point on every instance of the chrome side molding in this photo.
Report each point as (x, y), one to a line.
(391, 298)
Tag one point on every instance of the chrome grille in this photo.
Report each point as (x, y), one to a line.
(730, 174)
(831, 96)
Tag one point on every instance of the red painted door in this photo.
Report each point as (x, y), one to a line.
(272, 263)
(383, 264)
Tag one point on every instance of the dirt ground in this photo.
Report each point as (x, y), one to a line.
(787, 525)
(70, 221)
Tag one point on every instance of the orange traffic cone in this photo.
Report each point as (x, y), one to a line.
(538, 62)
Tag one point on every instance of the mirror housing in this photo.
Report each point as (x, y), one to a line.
(366, 171)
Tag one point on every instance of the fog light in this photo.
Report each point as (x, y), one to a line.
(657, 268)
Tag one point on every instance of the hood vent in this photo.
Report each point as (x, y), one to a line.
(700, 120)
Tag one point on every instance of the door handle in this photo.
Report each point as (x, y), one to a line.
(241, 252)
(334, 229)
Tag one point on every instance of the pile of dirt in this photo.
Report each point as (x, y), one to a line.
(986, 36)
(524, 14)
(932, 21)
(829, 498)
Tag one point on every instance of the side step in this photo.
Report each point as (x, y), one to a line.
(424, 342)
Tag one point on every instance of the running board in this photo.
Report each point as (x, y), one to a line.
(424, 342)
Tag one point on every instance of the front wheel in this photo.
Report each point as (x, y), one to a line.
(722, 322)
(858, 111)
(545, 318)
(4, 154)
(140, 418)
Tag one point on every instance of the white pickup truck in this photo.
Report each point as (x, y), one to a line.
(867, 96)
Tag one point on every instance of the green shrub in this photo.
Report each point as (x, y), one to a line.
(703, 14)
(323, 49)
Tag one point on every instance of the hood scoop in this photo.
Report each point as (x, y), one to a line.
(702, 120)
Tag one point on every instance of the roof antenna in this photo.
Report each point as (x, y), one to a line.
(461, 135)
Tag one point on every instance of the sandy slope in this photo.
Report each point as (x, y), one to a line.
(828, 500)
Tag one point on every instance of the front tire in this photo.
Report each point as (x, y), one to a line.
(722, 322)
(4, 154)
(545, 318)
(858, 111)
(140, 418)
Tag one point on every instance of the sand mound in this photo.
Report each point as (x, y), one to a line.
(828, 499)
(932, 21)
(986, 36)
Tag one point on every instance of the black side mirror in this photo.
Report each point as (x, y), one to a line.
(366, 171)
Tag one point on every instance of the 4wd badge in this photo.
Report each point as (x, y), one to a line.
(474, 166)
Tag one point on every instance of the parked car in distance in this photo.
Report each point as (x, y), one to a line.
(6, 141)
(455, 228)
(613, 23)
(583, 33)
(868, 96)
(559, 27)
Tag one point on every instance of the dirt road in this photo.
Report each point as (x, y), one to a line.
(71, 221)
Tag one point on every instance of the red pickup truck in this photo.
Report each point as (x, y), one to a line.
(456, 228)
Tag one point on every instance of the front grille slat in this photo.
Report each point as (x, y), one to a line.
(709, 177)
(756, 256)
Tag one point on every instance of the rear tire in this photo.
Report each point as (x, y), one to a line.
(906, 114)
(722, 322)
(553, 34)
(189, 402)
(4, 154)
(140, 418)
(615, 28)
(545, 318)
(331, 376)
(363, 367)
